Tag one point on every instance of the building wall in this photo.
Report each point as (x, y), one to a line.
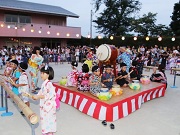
(20, 34)
(1, 16)
(39, 18)
(47, 19)
(54, 25)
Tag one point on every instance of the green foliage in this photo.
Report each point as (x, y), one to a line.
(175, 23)
(145, 25)
(117, 17)
(120, 18)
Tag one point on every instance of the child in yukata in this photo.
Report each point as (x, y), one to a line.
(47, 97)
(83, 79)
(95, 81)
(23, 84)
(7, 74)
(159, 76)
(123, 75)
(134, 74)
(107, 77)
(16, 74)
(72, 76)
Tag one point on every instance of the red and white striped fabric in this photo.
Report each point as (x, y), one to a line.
(110, 112)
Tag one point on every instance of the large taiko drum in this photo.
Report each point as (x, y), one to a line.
(107, 52)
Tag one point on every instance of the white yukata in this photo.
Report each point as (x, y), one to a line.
(23, 79)
(48, 107)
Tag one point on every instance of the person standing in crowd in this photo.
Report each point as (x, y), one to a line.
(140, 64)
(164, 57)
(77, 54)
(34, 64)
(45, 58)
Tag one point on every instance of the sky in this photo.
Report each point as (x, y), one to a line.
(82, 8)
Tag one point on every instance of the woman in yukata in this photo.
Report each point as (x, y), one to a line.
(35, 62)
(125, 57)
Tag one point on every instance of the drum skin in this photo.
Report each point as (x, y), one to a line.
(107, 53)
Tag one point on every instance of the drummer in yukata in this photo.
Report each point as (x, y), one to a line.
(107, 77)
(122, 76)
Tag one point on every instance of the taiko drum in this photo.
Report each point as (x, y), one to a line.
(107, 53)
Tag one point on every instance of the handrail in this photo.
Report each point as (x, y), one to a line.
(30, 115)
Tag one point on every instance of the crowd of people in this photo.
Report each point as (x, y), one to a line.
(17, 60)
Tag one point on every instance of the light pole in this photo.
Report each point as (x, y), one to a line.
(91, 26)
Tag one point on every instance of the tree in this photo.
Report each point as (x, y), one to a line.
(144, 25)
(161, 30)
(175, 23)
(117, 17)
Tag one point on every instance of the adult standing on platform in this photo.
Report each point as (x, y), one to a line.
(125, 56)
(35, 63)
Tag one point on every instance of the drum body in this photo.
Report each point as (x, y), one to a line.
(107, 53)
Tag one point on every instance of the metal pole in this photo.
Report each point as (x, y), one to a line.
(2, 108)
(91, 27)
(174, 80)
(6, 104)
(32, 129)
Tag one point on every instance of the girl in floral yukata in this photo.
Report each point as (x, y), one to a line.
(72, 76)
(83, 79)
(47, 96)
(34, 64)
(95, 81)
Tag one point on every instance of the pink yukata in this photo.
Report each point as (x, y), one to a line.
(72, 78)
(48, 108)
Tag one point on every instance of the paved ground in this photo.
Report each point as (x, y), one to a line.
(157, 117)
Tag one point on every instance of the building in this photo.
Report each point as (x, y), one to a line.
(31, 24)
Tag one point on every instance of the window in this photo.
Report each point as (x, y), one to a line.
(11, 18)
(24, 19)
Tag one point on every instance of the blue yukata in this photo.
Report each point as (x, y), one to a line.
(106, 76)
(126, 58)
(16, 74)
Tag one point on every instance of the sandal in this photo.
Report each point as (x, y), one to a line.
(104, 122)
(34, 92)
(37, 88)
(112, 126)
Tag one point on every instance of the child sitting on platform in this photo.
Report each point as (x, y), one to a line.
(72, 76)
(95, 81)
(122, 76)
(83, 79)
(107, 77)
(160, 76)
(134, 74)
